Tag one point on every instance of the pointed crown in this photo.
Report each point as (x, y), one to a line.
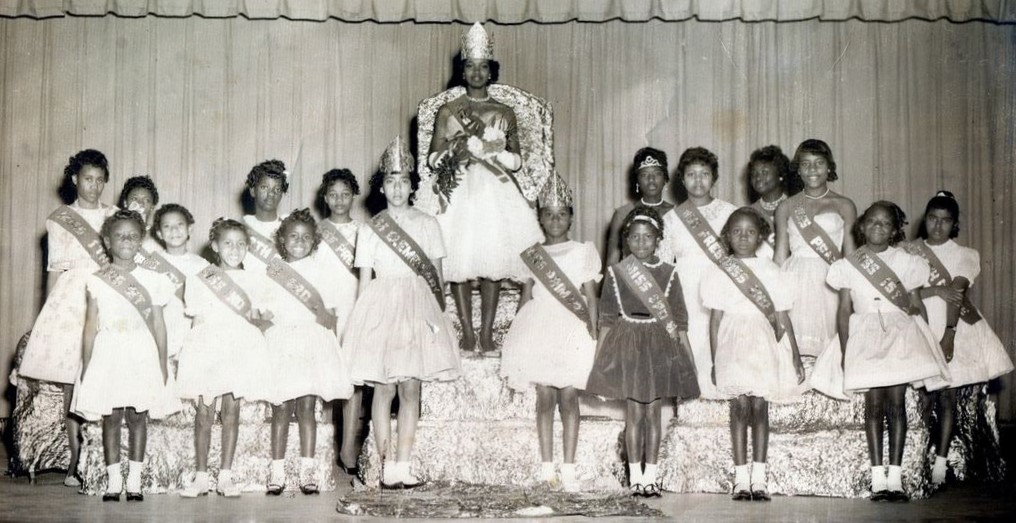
(555, 192)
(396, 157)
(477, 44)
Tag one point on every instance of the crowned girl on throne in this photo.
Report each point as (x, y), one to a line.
(485, 216)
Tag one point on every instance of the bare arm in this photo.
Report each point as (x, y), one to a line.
(438, 142)
(159, 324)
(440, 280)
(849, 213)
(526, 294)
(592, 305)
(614, 238)
(843, 312)
(782, 249)
(715, 317)
(788, 328)
(91, 329)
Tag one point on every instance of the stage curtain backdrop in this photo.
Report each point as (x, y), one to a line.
(908, 107)
(519, 11)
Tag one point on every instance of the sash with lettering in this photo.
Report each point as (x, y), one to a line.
(648, 292)
(154, 261)
(337, 241)
(261, 246)
(494, 166)
(286, 276)
(542, 264)
(743, 277)
(815, 235)
(130, 288)
(940, 276)
(226, 290)
(878, 273)
(408, 251)
(72, 222)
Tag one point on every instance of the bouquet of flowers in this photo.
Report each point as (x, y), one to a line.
(479, 141)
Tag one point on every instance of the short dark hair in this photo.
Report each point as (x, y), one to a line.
(772, 155)
(298, 216)
(699, 155)
(644, 214)
(274, 169)
(122, 215)
(818, 148)
(75, 164)
(943, 200)
(895, 212)
(764, 229)
(223, 224)
(329, 179)
(137, 182)
(164, 210)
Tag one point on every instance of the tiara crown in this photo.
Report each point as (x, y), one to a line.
(650, 161)
(477, 44)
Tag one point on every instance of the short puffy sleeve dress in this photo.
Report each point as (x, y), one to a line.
(266, 229)
(344, 282)
(547, 344)
(887, 346)
(637, 359)
(54, 349)
(978, 354)
(815, 302)
(397, 330)
(178, 324)
(748, 358)
(124, 369)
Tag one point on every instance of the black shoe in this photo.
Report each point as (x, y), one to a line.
(351, 471)
(274, 489)
(310, 488)
(637, 491)
(135, 496)
(898, 496)
(110, 496)
(880, 495)
(408, 486)
(760, 495)
(392, 486)
(741, 495)
(652, 490)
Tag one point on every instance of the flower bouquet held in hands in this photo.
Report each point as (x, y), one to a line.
(477, 142)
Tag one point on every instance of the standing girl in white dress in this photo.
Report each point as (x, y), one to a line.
(171, 227)
(224, 357)
(754, 354)
(698, 171)
(304, 356)
(812, 232)
(552, 341)
(338, 235)
(973, 350)
(398, 334)
(885, 344)
(75, 251)
(266, 183)
(124, 366)
(139, 194)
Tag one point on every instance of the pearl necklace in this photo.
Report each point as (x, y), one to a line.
(770, 207)
(647, 204)
(478, 100)
(819, 197)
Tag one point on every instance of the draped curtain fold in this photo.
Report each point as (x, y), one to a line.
(908, 108)
(519, 11)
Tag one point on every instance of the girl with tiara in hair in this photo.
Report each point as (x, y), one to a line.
(304, 356)
(75, 251)
(140, 195)
(885, 344)
(811, 233)
(124, 365)
(266, 183)
(769, 181)
(651, 177)
(397, 333)
(552, 340)
(973, 350)
(338, 234)
(224, 358)
(171, 228)
(642, 355)
(488, 221)
(691, 242)
(754, 354)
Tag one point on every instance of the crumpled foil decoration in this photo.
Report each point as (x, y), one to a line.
(534, 118)
(457, 500)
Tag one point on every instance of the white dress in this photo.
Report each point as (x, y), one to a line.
(177, 323)
(397, 331)
(343, 282)
(815, 302)
(54, 349)
(304, 357)
(486, 225)
(266, 229)
(124, 369)
(978, 354)
(681, 249)
(748, 358)
(887, 346)
(224, 353)
(547, 344)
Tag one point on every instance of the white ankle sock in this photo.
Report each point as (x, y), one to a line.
(390, 473)
(938, 470)
(878, 482)
(546, 470)
(741, 475)
(404, 472)
(758, 473)
(635, 473)
(278, 475)
(114, 478)
(649, 477)
(307, 463)
(895, 478)
(225, 475)
(201, 478)
(134, 475)
(568, 471)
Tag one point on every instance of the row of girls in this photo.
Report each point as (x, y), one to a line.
(795, 274)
